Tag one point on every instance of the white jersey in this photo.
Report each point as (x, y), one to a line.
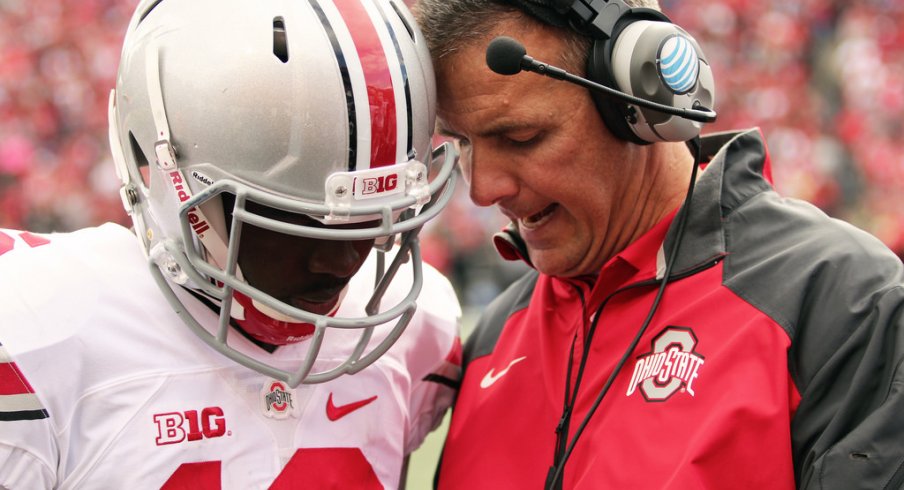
(103, 386)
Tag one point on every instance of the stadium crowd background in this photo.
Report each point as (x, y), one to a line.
(824, 79)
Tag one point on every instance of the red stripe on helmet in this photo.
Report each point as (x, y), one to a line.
(380, 93)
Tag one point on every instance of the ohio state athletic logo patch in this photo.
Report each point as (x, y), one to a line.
(278, 400)
(670, 367)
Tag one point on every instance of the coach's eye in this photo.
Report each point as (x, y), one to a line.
(523, 138)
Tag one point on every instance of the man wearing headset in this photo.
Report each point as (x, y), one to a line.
(677, 331)
(269, 323)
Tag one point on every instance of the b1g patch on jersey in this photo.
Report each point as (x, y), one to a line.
(279, 401)
(670, 367)
(190, 426)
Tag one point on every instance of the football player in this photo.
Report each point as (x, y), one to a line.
(276, 161)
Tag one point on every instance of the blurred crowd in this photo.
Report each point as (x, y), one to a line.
(824, 79)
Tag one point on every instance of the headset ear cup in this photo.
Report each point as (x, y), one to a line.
(634, 60)
(660, 62)
(616, 114)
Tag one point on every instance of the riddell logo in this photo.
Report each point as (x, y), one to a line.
(672, 365)
(176, 427)
(179, 185)
(197, 222)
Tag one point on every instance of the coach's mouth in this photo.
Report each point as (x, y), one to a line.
(537, 220)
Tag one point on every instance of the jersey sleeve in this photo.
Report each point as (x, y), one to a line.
(434, 358)
(28, 455)
(432, 396)
(26, 438)
(22, 469)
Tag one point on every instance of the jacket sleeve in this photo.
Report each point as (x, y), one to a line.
(838, 292)
(847, 331)
(849, 428)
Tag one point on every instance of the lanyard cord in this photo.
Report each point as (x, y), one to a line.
(562, 427)
(559, 466)
(570, 400)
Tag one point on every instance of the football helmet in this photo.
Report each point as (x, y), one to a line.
(319, 108)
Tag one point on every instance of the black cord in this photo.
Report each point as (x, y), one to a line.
(673, 255)
(562, 426)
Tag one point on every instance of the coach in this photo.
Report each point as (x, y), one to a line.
(678, 330)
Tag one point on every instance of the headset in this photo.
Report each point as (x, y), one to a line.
(648, 77)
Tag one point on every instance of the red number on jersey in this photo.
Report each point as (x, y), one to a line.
(7, 242)
(195, 476)
(331, 467)
(327, 467)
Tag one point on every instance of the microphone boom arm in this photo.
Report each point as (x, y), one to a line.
(700, 114)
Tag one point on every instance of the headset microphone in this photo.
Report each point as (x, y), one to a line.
(507, 56)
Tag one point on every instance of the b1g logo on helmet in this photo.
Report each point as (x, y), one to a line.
(672, 365)
(679, 65)
(379, 185)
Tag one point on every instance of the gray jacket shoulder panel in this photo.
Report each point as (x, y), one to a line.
(805, 269)
(837, 292)
(516, 297)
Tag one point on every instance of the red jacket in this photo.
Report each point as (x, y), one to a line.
(771, 361)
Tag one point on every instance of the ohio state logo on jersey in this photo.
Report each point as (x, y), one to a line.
(279, 400)
(671, 366)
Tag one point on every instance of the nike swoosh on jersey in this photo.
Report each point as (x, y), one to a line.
(491, 378)
(335, 413)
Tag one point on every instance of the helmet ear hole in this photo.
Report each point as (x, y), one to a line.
(280, 40)
(228, 201)
(140, 160)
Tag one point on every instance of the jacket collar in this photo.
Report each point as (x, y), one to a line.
(738, 169)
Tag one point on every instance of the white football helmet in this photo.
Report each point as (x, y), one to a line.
(322, 108)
